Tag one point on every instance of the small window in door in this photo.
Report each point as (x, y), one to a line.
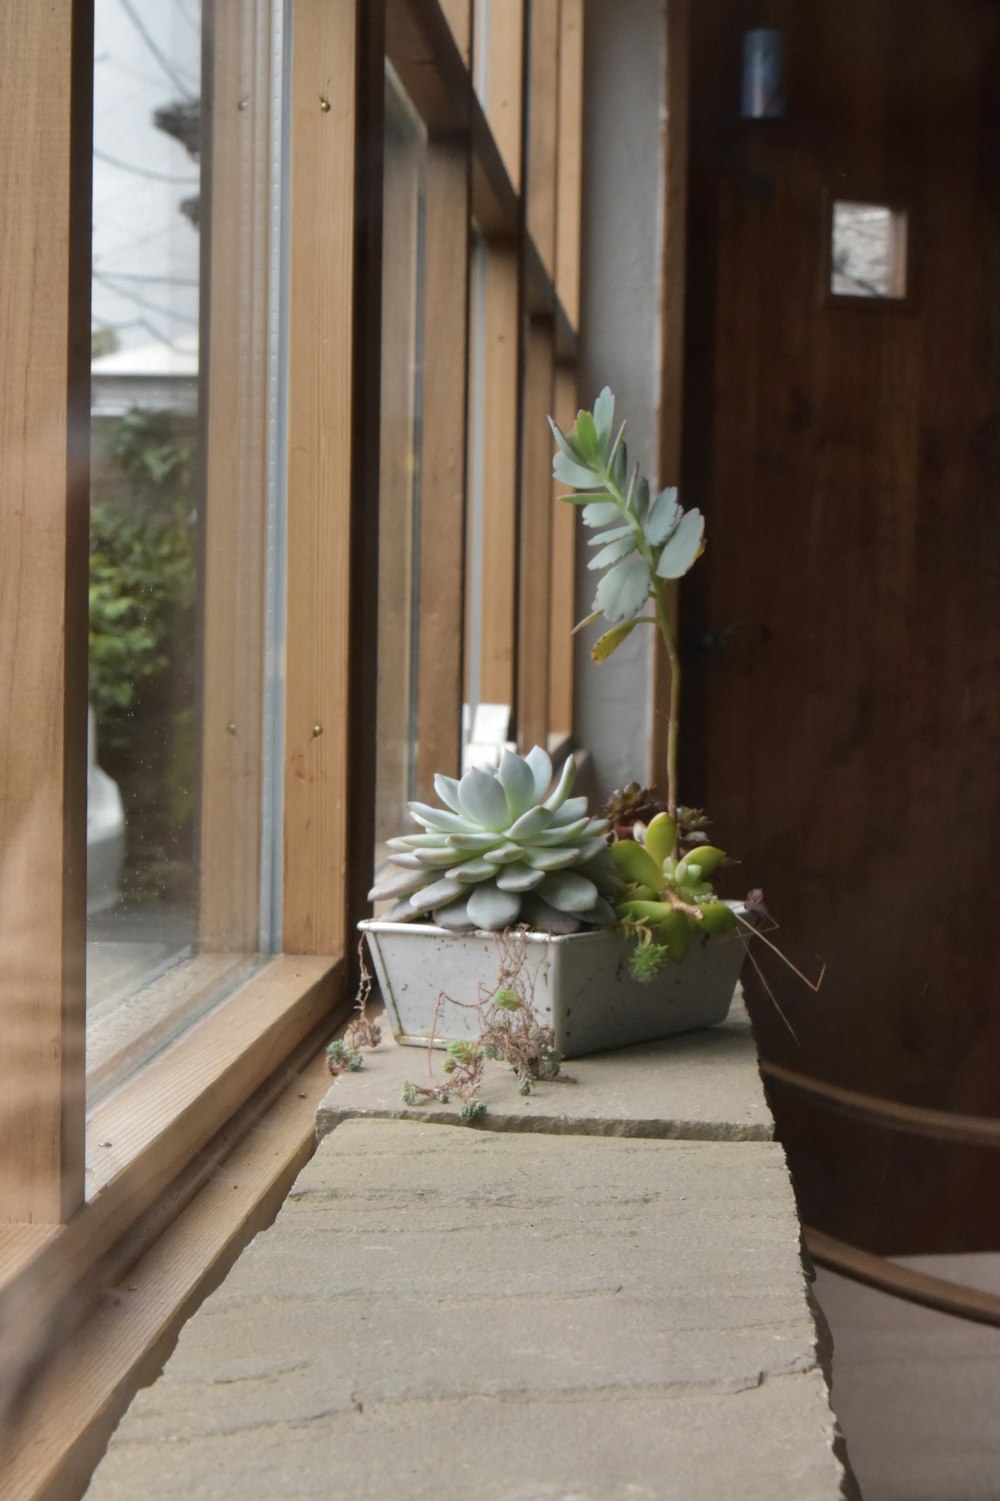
(868, 250)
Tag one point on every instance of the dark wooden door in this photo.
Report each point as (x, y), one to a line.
(842, 691)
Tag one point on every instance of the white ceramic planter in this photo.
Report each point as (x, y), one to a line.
(580, 984)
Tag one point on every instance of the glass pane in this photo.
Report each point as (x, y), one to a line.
(399, 465)
(179, 495)
(868, 257)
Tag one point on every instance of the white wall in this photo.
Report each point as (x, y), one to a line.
(624, 78)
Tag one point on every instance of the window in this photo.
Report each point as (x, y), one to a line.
(189, 808)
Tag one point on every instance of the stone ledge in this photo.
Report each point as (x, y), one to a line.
(703, 1086)
(438, 1314)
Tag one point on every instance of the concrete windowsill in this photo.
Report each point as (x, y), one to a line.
(599, 1298)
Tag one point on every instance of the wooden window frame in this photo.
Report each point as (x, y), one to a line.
(74, 1189)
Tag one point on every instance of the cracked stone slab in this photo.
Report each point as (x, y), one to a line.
(702, 1086)
(445, 1313)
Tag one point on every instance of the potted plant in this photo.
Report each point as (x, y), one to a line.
(511, 850)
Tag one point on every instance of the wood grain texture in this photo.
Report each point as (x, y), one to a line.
(45, 124)
(535, 538)
(458, 14)
(441, 667)
(542, 128)
(499, 500)
(399, 478)
(672, 315)
(848, 458)
(562, 574)
(235, 240)
(321, 335)
(569, 158)
(72, 1410)
(499, 63)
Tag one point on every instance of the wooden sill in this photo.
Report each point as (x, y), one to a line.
(56, 1435)
(142, 1138)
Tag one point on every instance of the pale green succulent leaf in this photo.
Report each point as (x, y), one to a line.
(476, 869)
(483, 798)
(392, 887)
(541, 769)
(613, 552)
(417, 842)
(437, 894)
(562, 441)
(570, 472)
(547, 919)
(438, 820)
(604, 417)
(640, 499)
(602, 513)
(586, 439)
(542, 858)
(438, 859)
(572, 809)
(519, 877)
(611, 536)
(553, 837)
(563, 787)
(530, 824)
(518, 782)
(504, 854)
(684, 546)
(663, 517)
(492, 909)
(568, 891)
(447, 790)
(455, 916)
(474, 843)
(623, 590)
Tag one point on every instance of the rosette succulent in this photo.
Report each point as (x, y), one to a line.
(507, 847)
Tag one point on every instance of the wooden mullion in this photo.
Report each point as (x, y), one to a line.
(235, 240)
(535, 537)
(562, 573)
(501, 48)
(46, 101)
(672, 312)
(541, 127)
(441, 675)
(569, 158)
(499, 486)
(320, 446)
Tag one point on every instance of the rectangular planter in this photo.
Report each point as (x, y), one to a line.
(580, 984)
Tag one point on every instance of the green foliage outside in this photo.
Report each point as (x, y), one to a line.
(142, 644)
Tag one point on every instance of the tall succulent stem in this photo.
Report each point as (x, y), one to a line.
(673, 724)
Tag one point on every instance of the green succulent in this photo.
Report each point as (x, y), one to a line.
(507, 847)
(669, 898)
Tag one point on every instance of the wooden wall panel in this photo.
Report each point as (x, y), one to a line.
(46, 63)
(499, 500)
(569, 158)
(234, 396)
(321, 334)
(499, 62)
(443, 465)
(562, 573)
(672, 310)
(535, 538)
(542, 128)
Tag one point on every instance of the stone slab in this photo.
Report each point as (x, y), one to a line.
(445, 1314)
(702, 1086)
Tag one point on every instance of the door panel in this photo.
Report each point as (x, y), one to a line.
(842, 691)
